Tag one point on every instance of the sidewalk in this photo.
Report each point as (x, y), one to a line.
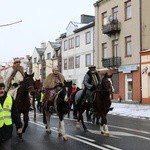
(131, 110)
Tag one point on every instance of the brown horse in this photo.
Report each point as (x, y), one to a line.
(36, 96)
(22, 98)
(102, 102)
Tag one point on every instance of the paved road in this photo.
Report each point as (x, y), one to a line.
(125, 134)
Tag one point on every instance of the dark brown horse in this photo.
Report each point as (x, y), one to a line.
(22, 98)
(101, 104)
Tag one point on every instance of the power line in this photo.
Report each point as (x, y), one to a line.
(10, 23)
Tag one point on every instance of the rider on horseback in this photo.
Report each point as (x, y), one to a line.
(53, 85)
(17, 74)
(90, 81)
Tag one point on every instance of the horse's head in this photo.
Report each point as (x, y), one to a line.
(28, 83)
(107, 83)
(38, 84)
(68, 85)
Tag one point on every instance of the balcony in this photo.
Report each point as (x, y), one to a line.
(111, 62)
(112, 28)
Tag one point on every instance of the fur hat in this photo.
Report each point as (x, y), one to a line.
(17, 60)
(2, 85)
(92, 67)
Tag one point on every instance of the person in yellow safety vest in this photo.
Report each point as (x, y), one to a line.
(8, 115)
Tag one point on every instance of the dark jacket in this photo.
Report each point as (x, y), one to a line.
(88, 82)
(6, 131)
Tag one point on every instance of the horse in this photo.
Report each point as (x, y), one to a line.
(101, 104)
(22, 98)
(37, 96)
(60, 105)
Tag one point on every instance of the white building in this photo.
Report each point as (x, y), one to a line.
(77, 49)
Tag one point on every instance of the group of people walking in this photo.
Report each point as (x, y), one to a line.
(54, 83)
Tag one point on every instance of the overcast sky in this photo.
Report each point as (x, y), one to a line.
(42, 21)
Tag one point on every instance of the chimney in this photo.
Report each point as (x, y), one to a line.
(43, 45)
(87, 18)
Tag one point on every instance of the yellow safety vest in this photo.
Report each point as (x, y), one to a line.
(41, 100)
(5, 112)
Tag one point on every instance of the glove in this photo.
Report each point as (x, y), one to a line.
(93, 87)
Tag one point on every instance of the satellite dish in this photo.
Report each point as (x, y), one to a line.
(110, 18)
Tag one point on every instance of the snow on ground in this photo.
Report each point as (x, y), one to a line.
(131, 110)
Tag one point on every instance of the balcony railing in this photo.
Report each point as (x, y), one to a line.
(112, 27)
(111, 62)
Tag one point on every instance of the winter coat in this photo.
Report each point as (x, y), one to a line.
(50, 80)
(88, 82)
(6, 131)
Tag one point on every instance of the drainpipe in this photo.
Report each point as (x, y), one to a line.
(140, 10)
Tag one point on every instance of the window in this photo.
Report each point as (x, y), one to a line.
(104, 50)
(128, 48)
(115, 48)
(65, 64)
(35, 60)
(65, 45)
(77, 62)
(48, 55)
(87, 60)
(88, 37)
(104, 18)
(71, 43)
(128, 13)
(115, 12)
(77, 41)
(71, 63)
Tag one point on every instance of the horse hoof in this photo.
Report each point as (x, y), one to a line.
(59, 134)
(106, 134)
(65, 138)
(102, 132)
(48, 131)
(85, 130)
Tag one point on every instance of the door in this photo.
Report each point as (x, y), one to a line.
(128, 87)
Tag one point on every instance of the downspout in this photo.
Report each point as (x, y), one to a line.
(140, 10)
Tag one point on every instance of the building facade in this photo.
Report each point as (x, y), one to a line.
(122, 31)
(77, 49)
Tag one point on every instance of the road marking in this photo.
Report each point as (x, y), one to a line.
(145, 132)
(111, 147)
(81, 137)
(115, 134)
(78, 139)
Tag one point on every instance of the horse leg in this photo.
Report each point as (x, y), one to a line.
(25, 119)
(48, 128)
(34, 108)
(44, 117)
(104, 127)
(80, 118)
(61, 128)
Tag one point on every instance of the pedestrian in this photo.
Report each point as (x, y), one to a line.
(8, 116)
(16, 74)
